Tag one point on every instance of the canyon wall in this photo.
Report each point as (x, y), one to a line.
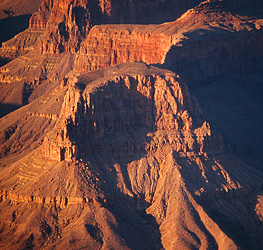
(199, 45)
(217, 56)
(67, 23)
(21, 43)
(107, 45)
(195, 60)
(102, 116)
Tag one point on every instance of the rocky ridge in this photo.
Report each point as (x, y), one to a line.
(172, 44)
(67, 23)
(211, 24)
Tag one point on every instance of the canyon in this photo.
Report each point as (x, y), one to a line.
(133, 125)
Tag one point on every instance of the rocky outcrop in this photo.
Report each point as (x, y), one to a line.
(39, 19)
(31, 74)
(195, 42)
(107, 45)
(115, 105)
(122, 157)
(67, 25)
(68, 22)
(199, 45)
(21, 43)
(61, 202)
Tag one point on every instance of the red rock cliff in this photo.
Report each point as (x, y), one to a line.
(208, 41)
(107, 45)
(93, 116)
(68, 22)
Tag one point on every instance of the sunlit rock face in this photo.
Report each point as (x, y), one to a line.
(107, 45)
(107, 153)
(67, 23)
(122, 102)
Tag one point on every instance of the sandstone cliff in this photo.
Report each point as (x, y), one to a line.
(198, 45)
(110, 108)
(198, 41)
(67, 22)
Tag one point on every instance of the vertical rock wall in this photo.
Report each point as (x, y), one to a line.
(113, 115)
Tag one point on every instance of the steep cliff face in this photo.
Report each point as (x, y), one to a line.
(217, 56)
(39, 19)
(198, 45)
(113, 107)
(107, 45)
(122, 157)
(200, 37)
(67, 22)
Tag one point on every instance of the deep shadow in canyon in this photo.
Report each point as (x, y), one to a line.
(11, 26)
(224, 72)
(8, 108)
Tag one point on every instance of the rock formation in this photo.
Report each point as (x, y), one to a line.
(195, 45)
(180, 45)
(67, 22)
(106, 152)
(133, 125)
(108, 109)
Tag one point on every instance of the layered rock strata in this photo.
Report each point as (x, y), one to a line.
(203, 40)
(31, 75)
(217, 57)
(107, 45)
(67, 23)
(21, 43)
(93, 113)
(200, 44)
(122, 158)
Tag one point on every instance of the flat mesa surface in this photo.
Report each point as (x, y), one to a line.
(124, 69)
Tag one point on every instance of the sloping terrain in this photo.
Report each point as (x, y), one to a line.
(150, 154)
(105, 152)
(14, 17)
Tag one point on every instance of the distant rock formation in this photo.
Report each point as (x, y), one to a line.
(67, 23)
(121, 101)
